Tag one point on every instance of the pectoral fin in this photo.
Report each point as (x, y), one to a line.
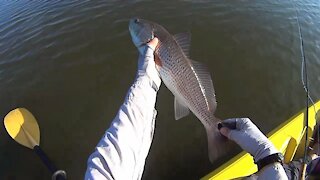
(181, 110)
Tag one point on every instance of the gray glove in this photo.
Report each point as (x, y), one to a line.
(248, 137)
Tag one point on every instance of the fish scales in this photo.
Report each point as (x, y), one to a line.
(178, 75)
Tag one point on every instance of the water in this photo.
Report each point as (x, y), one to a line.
(71, 63)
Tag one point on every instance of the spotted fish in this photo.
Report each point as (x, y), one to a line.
(188, 80)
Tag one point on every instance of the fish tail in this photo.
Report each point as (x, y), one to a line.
(218, 145)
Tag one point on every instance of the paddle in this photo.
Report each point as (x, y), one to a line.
(22, 126)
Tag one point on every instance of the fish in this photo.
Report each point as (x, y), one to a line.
(189, 81)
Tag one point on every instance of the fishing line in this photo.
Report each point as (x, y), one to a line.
(305, 84)
(305, 87)
(304, 72)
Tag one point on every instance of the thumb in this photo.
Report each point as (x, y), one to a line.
(153, 43)
(225, 131)
(234, 135)
(237, 136)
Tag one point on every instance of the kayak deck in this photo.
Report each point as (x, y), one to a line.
(289, 138)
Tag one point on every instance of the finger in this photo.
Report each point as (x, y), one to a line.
(244, 123)
(225, 131)
(231, 120)
(238, 123)
(230, 123)
(153, 43)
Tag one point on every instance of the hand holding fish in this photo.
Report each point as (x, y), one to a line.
(248, 137)
(153, 43)
(146, 64)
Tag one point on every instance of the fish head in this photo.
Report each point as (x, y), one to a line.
(142, 31)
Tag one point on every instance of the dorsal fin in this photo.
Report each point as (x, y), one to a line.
(206, 84)
(184, 40)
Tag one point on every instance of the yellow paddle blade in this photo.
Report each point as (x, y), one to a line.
(22, 127)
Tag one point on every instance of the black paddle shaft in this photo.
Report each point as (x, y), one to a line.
(52, 168)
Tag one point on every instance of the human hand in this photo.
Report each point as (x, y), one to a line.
(153, 43)
(248, 137)
(146, 63)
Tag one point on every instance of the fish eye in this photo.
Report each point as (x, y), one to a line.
(137, 20)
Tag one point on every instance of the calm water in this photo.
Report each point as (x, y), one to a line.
(71, 63)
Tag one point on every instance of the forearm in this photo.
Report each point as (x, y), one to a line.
(272, 171)
(122, 151)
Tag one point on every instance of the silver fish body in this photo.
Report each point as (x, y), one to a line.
(188, 80)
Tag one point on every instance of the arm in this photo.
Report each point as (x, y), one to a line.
(272, 171)
(251, 139)
(122, 151)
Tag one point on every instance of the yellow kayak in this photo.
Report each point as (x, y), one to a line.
(289, 138)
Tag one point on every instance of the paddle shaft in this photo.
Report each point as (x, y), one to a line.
(52, 168)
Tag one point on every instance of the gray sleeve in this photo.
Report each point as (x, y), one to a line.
(272, 171)
(122, 151)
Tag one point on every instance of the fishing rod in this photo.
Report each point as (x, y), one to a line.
(305, 84)
(304, 74)
(22, 126)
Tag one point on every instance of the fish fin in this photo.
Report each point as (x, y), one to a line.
(218, 145)
(184, 40)
(181, 110)
(206, 84)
